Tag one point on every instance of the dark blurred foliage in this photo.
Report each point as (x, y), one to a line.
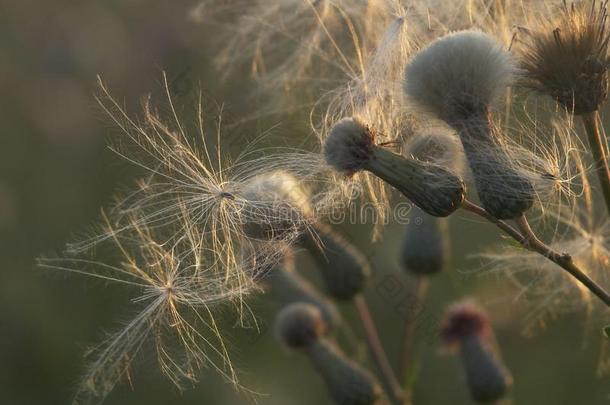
(56, 173)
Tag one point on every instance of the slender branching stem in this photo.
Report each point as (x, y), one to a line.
(407, 367)
(528, 239)
(377, 352)
(598, 150)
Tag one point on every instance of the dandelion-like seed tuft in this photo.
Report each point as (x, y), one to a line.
(567, 57)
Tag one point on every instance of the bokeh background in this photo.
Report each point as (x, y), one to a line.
(56, 173)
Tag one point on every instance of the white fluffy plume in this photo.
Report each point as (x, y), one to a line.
(466, 69)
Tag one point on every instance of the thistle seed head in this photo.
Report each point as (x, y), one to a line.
(459, 75)
(349, 145)
(276, 205)
(567, 57)
(299, 325)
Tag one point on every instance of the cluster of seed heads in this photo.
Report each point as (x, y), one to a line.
(205, 230)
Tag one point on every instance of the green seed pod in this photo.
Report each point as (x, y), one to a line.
(350, 147)
(299, 325)
(347, 382)
(287, 286)
(425, 245)
(504, 192)
(344, 269)
(487, 379)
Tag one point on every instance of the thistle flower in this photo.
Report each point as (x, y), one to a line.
(351, 147)
(458, 78)
(287, 286)
(567, 57)
(466, 328)
(176, 293)
(300, 326)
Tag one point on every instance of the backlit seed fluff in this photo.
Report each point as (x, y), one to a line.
(277, 204)
(299, 325)
(567, 57)
(458, 75)
(349, 145)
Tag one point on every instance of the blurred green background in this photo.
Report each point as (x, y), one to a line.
(56, 173)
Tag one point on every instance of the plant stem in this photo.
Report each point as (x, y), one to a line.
(598, 150)
(526, 237)
(377, 351)
(421, 290)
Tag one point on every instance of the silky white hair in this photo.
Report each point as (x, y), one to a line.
(459, 72)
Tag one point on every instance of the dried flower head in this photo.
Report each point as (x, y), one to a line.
(351, 147)
(567, 57)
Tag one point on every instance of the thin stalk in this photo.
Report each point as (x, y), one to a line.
(377, 352)
(526, 237)
(421, 290)
(598, 150)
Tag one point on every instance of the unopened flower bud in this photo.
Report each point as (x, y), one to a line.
(299, 325)
(466, 328)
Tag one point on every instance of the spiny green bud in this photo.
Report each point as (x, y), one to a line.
(288, 287)
(344, 269)
(299, 325)
(347, 382)
(425, 244)
(466, 328)
(350, 147)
